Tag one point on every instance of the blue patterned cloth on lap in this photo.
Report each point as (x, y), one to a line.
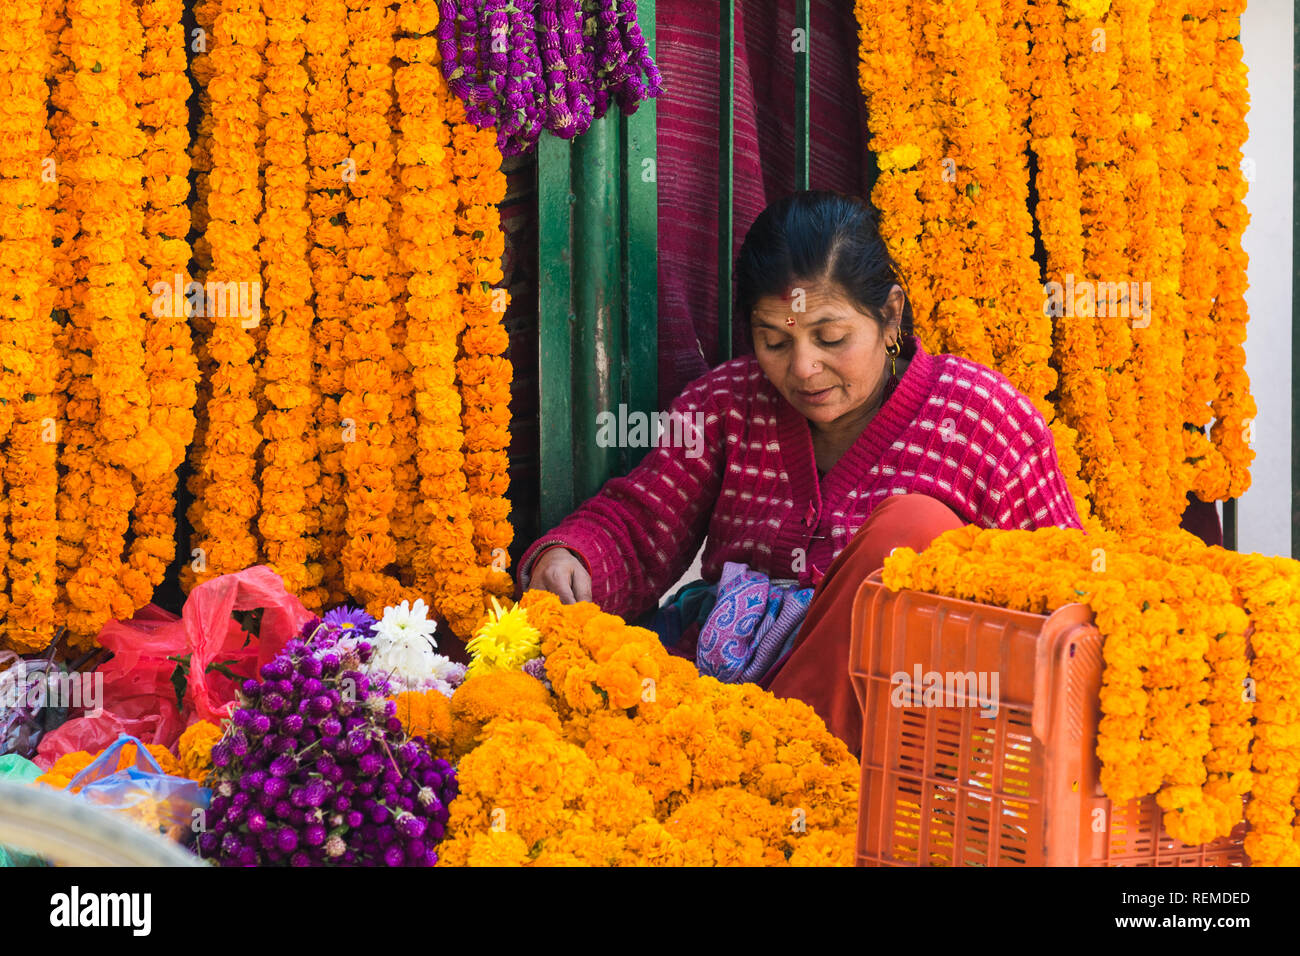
(739, 627)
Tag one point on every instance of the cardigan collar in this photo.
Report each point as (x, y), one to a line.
(890, 421)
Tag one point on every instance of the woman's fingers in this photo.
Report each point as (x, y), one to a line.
(556, 572)
(582, 583)
(564, 591)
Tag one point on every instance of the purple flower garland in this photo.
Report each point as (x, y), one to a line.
(522, 66)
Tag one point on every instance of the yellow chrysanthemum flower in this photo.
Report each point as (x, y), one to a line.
(505, 641)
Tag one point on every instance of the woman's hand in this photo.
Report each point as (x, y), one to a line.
(561, 572)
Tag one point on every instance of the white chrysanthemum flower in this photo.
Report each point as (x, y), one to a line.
(403, 644)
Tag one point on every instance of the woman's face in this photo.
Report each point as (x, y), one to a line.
(830, 362)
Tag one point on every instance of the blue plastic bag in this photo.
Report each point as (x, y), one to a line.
(172, 806)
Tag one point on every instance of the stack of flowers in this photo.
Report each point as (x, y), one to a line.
(315, 768)
(1200, 695)
(557, 70)
(637, 760)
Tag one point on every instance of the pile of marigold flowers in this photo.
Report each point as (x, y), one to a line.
(636, 760)
(1200, 695)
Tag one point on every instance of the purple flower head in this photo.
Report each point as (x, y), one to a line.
(350, 621)
(277, 669)
(536, 668)
(221, 754)
(308, 628)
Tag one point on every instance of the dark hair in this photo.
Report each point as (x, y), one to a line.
(812, 235)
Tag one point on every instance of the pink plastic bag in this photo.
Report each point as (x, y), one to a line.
(139, 698)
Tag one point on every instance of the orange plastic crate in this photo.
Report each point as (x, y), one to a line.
(946, 783)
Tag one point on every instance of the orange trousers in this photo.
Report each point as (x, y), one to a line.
(816, 670)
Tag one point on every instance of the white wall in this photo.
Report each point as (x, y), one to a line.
(1264, 512)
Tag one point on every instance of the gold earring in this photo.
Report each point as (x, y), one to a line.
(893, 352)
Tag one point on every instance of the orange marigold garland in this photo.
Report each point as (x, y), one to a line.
(287, 520)
(367, 404)
(1200, 232)
(231, 498)
(75, 400)
(1168, 114)
(1081, 429)
(106, 172)
(898, 119)
(26, 338)
(484, 372)
(205, 12)
(1269, 588)
(960, 319)
(170, 363)
(1228, 474)
(1096, 57)
(443, 564)
(1152, 372)
(326, 40)
(1179, 689)
(992, 183)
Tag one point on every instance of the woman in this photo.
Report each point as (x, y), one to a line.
(837, 441)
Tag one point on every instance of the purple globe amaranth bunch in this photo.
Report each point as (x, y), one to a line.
(526, 90)
(464, 58)
(567, 69)
(526, 65)
(633, 91)
(316, 770)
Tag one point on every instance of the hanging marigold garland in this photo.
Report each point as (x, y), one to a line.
(205, 12)
(911, 181)
(444, 565)
(1167, 305)
(287, 521)
(484, 372)
(962, 321)
(121, 445)
(403, 520)
(170, 364)
(1227, 473)
(27, 555)
(367, 404)
(1149, 278)
(1108, 213)
(222, 520)
(1081, 429)
(327, 151)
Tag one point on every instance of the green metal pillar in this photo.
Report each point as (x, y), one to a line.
(597, 297)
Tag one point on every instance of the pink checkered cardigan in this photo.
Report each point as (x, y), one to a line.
(953, 429)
